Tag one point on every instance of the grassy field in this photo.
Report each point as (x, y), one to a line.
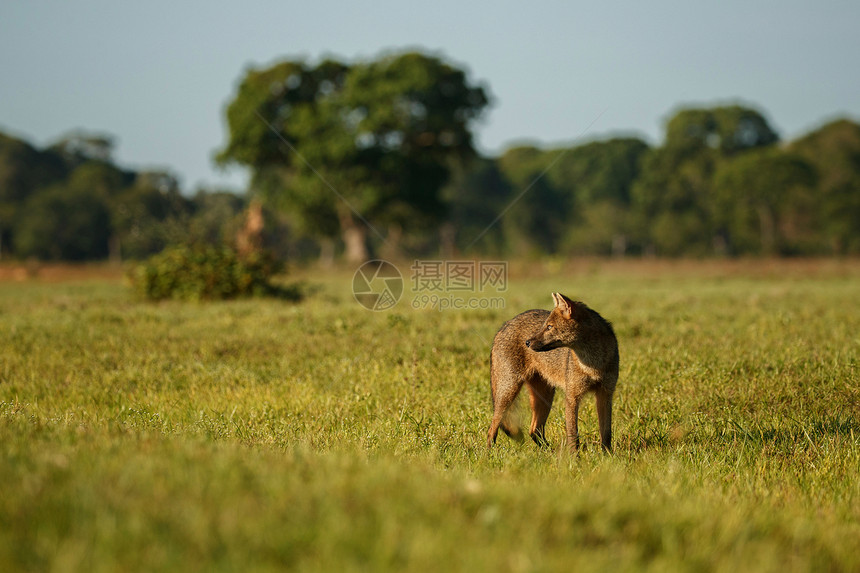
(268, 435)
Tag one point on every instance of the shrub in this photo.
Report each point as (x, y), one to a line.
(204, 273)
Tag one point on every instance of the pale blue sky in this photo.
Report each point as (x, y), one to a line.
(158, 74)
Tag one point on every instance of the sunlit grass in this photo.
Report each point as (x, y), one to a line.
(269, 435)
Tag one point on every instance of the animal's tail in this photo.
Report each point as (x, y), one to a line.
(509, 423)
(510, 427)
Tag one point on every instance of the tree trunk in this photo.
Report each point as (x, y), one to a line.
(720, 245)
(390, 250)
(249, 239)
(326, 252)
(354, 237)
(768, 229)
(619, 245)
(448, 241)
(115, 250)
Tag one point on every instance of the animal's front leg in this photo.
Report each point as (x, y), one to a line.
(571, 419)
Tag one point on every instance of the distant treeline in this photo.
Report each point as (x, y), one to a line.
(376, 181)
(71, 202)
(722, 183)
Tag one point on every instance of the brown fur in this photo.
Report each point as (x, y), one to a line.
(572, 348)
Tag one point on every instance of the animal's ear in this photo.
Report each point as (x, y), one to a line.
(564, 304)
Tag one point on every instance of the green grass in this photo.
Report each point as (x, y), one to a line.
(268, 435)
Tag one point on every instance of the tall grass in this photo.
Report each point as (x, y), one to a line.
(263, 435)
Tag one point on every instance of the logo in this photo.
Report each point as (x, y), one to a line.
(377, 285)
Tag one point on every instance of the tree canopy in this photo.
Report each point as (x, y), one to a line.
(834, 151)
(764, 201)
(674, 193)
(352, 147)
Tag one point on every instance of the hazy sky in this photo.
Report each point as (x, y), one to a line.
(157, 75)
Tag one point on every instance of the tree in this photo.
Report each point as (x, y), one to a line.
(216, 217)
(75, 173)
(671, 197)
(727, 129)
(834, 149)
(340, 145)
(674, 195)
(476, 195)
(597, 178)
(137, 206)
(537, 209)
(63, 223)
(106, 182)
(23, 170)
(578, 198)
(600, 170)
(142, 214)
(765, 202)
(81, 146)
(73, 219)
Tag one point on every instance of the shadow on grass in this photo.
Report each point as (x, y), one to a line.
(786, 430)
(293, 292)
(783, 433)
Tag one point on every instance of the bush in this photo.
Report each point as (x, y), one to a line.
(204, 273)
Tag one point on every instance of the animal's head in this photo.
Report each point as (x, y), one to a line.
(560, 327)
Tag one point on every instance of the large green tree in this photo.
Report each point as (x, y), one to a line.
(834, 149)
(674, 193)
(765, 201)
(352, 148)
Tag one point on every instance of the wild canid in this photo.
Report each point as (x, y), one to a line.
(572, 348)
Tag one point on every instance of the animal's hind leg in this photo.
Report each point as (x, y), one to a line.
(604, 417)
(540, 398)
(505, 388)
